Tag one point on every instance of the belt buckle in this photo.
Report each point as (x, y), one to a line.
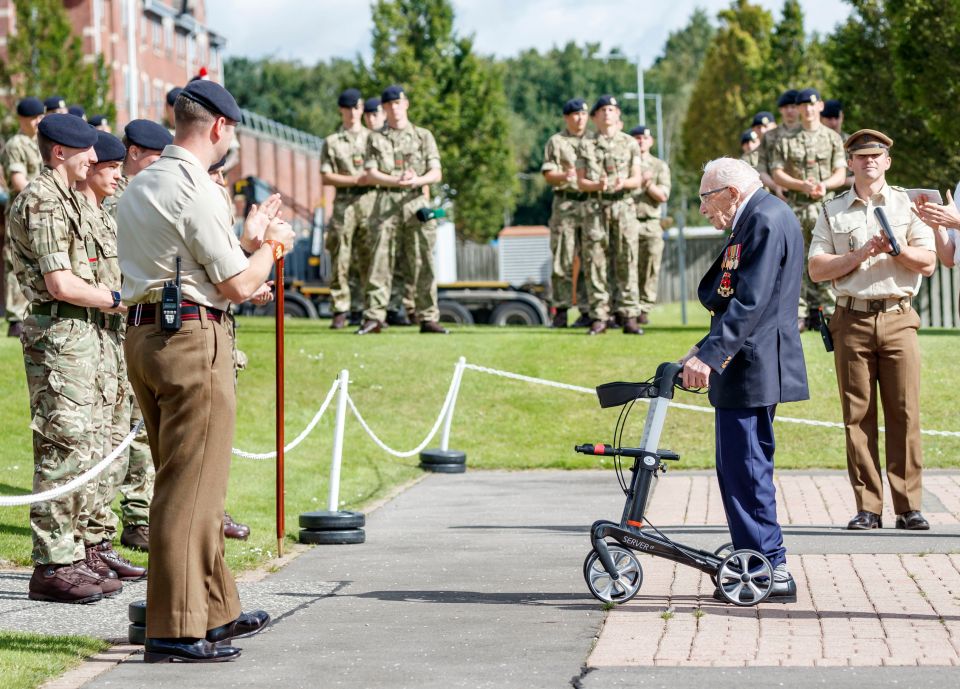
(877, 305)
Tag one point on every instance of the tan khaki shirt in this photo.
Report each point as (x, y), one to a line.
(847, 222)
(172, 209)
(560, 155)
(648, 207)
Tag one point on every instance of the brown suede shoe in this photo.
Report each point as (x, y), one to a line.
(124, 569)
(630, 327)
(339, 321)
(63, 584)
(96, 565)
(232, 529)
(433, 327)
(110, 587)
(136, 537)
(597, 328)
(369, 326)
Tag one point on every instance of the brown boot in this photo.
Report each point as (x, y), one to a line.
(96, 565)
(560, 319)
(15, 329)
(110, 587)
(644, 318)
(232, 529)
(369, 326)
(413, 317)
(136, 537)
(631, 327)
(598, 327)
(119, 565)
(63, 584)
(339, 321)
(433, 327)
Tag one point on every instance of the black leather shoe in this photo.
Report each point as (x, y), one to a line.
(187, 651)
(912, 521)
(782, 592)
(583, 321)
(864, 521)
(248, 624)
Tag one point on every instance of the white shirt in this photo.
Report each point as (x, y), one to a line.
(736, 216)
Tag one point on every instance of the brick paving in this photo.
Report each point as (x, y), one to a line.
(853, 609)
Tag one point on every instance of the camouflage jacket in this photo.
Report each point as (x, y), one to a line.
(99, 222)
(647, 206)
(110, 203)
(344, 152)
(615, 156)
(814, 154)
(20, 154)
(48, 232)
(560, 154)
(393, 151)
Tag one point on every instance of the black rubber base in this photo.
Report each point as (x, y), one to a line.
(324, 520)
(340, 537)
(444, 468)
(137, 612)
(137, 634)
(443, 457)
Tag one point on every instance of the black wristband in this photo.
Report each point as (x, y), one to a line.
(116, 299)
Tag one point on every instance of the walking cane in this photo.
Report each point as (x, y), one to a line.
(278, 282)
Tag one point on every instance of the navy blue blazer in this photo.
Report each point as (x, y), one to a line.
(752, 291)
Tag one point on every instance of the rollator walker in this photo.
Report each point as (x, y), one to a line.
(611, 569)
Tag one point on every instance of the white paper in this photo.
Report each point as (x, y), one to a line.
(933, 196)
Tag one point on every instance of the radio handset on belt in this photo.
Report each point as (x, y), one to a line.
(887, 230)
(170, 304)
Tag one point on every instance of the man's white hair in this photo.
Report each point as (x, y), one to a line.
(730, 172)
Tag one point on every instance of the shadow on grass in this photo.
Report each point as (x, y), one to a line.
(14, 529)
(7, 490)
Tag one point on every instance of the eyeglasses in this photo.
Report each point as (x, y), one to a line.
(704, 195)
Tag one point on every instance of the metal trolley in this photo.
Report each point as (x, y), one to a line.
(611, 568)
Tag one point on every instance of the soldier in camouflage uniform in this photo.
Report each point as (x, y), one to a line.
(341, 166)
(750, 149)
(100, 183)
(55, 257)
(649, 198)
(567, 214)
(21, 163)
(608, 168)
(401, 160)
(810, 163)
(787, 105)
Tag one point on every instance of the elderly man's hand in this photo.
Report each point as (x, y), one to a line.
(696, 374)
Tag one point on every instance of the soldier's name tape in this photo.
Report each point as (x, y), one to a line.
(445, 411)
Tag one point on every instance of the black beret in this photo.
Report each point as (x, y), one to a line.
(808, 96)
(68, 130)
(148, 134)
(54, 103)
(787, 98)
(574, 105)
(392, 93)
(640, 130)
(762, 118)
(97, 120)
(77, 111)
(748, 136)
(604, 101)
(371, 104)
(831, 108)
(349, 98)
(109, 148)
(213, 97)
(172, 95)
(30, 107)
(219, 164)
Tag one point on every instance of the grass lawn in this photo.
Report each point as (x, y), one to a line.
(27, 660)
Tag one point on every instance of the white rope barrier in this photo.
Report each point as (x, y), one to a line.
(447, 402)
(299, 439)
(76, 482)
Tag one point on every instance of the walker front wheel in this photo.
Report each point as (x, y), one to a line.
(603, 586)
(745, 577)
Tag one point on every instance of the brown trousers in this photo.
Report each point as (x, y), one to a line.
(880, 351)
(184, 382)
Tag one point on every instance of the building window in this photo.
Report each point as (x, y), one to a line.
(168, 35)
(145, 100)
(157, 35)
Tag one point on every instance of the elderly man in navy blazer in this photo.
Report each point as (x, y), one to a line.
(752, 358)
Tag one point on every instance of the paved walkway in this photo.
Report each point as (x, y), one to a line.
(474, 580)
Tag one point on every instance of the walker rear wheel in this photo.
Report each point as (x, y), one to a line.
(745, 577)
(607, 589)
(721, 552)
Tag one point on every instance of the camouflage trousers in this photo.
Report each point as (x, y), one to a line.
(566, 240)
(396, 234)
(102, 524)
(14, 303)
(62, 360)
(812, 294)
(346, 243)
(136, 490)
(404, 289)
(610, 243)
(649, 255)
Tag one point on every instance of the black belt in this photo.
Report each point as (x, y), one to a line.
(61, 309)
(571, 195)
(615, 195)
(354, 191)
(146, 314)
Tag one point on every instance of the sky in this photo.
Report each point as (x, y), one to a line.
(314, 30)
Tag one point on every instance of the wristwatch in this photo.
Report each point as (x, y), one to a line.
(116, 299)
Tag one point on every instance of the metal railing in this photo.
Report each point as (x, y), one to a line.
(258, 124)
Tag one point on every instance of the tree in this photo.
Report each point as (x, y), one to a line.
(726, 93)
(456, 94)
(45, 57)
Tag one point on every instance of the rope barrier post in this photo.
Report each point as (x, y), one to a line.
(334, 526)
(445, 460)
(281, 527)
